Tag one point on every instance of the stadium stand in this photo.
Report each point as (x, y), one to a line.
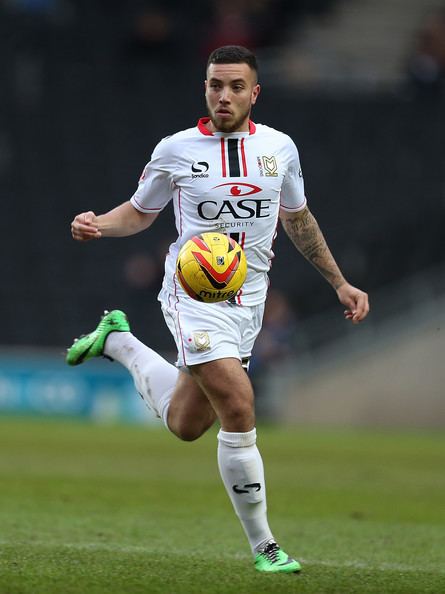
(81, 108)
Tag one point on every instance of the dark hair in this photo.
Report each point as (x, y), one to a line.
(233, 54)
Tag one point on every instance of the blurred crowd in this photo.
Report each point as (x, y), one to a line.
(89, 87)
(152, 31)
(426, 66)
(156, 28)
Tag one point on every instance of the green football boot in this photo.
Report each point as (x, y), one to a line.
(272, 559)
(92, 344)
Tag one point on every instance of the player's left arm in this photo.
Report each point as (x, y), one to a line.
(304, 232)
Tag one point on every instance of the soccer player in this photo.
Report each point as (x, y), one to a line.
(230, 175)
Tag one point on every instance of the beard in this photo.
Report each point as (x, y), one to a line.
(230, 125)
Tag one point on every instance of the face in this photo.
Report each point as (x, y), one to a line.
(231, 90)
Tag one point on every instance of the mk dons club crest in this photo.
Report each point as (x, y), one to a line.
(270, 166)
(201, 340)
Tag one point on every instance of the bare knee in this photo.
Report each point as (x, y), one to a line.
(190, 413)
(237, 415)
(229, 391)
(186, 431)
(186, 435)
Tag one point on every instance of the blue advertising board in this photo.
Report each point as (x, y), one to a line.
(42, 384)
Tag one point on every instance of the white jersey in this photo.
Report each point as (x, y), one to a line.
(232, 183)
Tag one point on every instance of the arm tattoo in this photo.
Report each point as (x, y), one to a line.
(305, 234)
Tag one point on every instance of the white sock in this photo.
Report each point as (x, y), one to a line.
(242, 471)
(153, 376)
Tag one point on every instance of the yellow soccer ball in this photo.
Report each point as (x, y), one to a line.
(211, 267)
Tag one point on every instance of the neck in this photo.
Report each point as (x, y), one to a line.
(243, 128)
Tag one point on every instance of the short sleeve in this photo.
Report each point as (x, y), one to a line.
(154, 190)
(292, 196)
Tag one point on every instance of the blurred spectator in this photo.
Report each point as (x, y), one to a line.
(142, 271)
(426, 68)
(163, 32)
(56, 12)
(274, 345)
(230, 25)
(33, 6)
(152, 33)
(275, 342)
(252, 23)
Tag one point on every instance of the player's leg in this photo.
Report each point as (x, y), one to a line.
(190, 413)
(230, 393)
(171, 393)
(187, 404)
(229, 390)
(157, 381)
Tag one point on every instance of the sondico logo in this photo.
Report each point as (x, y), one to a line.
(246, 488)
(245, 208)
(199, 169)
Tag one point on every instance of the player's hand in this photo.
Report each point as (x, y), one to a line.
(355, 300)
(85, 227)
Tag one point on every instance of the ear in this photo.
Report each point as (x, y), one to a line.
(255, 92)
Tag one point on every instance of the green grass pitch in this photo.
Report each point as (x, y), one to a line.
(95, 509)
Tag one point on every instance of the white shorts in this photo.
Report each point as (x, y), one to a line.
(207, 331)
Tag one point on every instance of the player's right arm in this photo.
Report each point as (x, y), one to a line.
(122, 221)
(153, 193)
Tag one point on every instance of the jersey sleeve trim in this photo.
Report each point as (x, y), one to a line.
(141, 208)
(294, 209)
